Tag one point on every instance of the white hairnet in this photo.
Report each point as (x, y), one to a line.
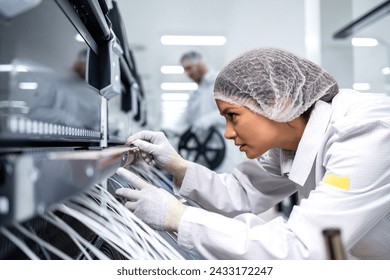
(274, 83)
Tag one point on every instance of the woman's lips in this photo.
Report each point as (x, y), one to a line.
(242, 146)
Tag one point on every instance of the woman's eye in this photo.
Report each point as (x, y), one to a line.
(231, 115)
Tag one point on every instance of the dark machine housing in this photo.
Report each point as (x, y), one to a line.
(67, 77)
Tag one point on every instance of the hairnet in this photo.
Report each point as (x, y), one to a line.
(274, 83)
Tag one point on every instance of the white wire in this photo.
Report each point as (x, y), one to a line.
(120, 231)
(116, 181)
(42, 243)
(150, 232)
(94, 226)
(46, 255)
(162, 176)
(125, 230)
(91, 219)
(19, 243)
(125, 213)
(107, 217)
(148, 174)
(75, 236)
(72, 235)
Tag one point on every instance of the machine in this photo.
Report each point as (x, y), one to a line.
(70, 94)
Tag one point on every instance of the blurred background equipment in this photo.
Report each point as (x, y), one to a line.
(70, 95)
(205, 147)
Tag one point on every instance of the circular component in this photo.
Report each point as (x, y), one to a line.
(207, 148)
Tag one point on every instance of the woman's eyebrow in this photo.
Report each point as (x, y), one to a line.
(227, 109)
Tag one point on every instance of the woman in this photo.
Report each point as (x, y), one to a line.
(300, 134)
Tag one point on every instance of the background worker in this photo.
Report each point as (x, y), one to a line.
(202, 112)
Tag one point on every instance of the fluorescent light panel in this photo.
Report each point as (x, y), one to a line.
(193, 40)
(386, 71)
(364, 42)
(179, 86)
(171, 69)
(28, 85)
(11, 67)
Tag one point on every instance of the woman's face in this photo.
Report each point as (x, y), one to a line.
(255, 134)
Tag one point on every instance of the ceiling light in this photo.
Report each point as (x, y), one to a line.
(28, 85)
(193, 40)
(172, 69)
(361, 86)
(386, 71)
(11, 67)
(179, 86)
(6, 67)
(364, 42)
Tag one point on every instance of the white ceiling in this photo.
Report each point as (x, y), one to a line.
(246, 24)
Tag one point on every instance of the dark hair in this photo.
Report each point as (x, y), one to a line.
(307, 113)
(191, 55)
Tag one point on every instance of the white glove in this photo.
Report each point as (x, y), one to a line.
(155, 206)
(158, 146)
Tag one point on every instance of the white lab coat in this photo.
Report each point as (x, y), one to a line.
(349, 138)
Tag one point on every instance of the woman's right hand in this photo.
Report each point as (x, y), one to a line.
(158, 146)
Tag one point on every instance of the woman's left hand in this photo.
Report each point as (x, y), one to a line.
(155, 206)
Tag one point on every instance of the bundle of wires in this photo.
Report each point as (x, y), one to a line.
(103, 214)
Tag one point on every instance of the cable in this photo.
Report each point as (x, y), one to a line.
(19, 243)
(75, 236)
(42, 242)
(118, 226)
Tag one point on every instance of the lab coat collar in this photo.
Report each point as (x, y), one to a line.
(286, 160)
(310, 142)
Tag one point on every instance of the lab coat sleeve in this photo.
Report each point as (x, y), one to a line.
(358, 200)
(246, 236)
(249, 188)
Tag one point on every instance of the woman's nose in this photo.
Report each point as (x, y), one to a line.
(230, 133)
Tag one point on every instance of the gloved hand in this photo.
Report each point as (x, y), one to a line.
(155, 206)
(157, 145)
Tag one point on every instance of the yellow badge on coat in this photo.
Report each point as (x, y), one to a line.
(337, 181)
